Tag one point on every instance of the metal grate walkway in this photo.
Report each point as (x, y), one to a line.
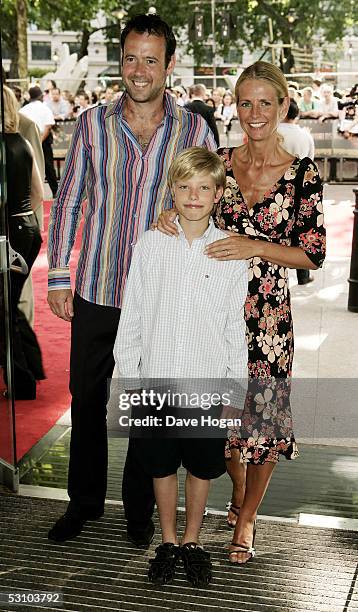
(297, 569)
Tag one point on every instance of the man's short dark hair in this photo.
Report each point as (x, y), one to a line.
(293, 110)
(152, 24)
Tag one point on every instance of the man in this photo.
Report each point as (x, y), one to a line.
(119, 157)
(43, 117)
(58, 105)
(83, 102)
(197, 104)
(299, 142)
(29, 130)
(307, 104)
(328, 105)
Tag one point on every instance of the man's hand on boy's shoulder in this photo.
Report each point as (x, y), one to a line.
(165, 223)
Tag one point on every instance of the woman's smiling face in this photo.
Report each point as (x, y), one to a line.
(259, 109)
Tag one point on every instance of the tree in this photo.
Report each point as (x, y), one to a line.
(77, 15)
(9, 34)
(21, 26)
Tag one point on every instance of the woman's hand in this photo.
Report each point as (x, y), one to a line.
(234, 247)
(165, 223)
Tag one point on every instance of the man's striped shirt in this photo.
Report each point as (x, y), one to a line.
(125, 188)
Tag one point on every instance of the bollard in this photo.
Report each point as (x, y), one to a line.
(353, 274)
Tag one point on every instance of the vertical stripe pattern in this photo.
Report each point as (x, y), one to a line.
(125, 189)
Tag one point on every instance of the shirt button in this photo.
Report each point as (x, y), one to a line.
(132, 244)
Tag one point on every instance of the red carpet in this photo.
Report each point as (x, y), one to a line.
(35, 418)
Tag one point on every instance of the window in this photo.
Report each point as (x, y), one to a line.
(41, 51)
(74, 47)
(234, 56)
(112, 52)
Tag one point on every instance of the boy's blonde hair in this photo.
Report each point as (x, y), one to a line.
(197, 160)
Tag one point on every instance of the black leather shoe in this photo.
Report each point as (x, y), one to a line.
(141, 537)
(70, 525)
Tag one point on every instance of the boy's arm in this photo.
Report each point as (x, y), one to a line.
(235, 336)
(127, 347)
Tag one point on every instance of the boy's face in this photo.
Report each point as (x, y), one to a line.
(196, 197)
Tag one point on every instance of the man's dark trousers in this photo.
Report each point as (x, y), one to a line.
(94, 330)
(50, 172)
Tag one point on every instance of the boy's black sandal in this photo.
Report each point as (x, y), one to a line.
(162, 567)
(197, 564)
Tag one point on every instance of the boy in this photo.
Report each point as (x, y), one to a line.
(182, 318)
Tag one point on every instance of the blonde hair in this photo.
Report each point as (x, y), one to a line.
(265, 72)
(197, 160)
(10, 110)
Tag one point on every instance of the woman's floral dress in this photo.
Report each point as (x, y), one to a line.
(290, 213)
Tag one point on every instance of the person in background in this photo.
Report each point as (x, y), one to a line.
(43, 117)
(181, 94)
(119, 158)
(307, 104)
(296, 140)
(58, 105)
(328, 105)
(299, 142)
(49, 86)
(107, 96)
(217, 95)
(197, 104)
(226, 111)
(24, 195)
(83, 102)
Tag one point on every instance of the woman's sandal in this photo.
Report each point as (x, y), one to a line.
(235, 510)
(250, 550)
(197, 564)
(162, 567)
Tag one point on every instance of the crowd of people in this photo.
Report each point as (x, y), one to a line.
(211, 305)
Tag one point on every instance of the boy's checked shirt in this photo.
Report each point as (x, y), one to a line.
(183, 313)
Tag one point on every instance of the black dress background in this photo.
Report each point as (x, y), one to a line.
(25, 238)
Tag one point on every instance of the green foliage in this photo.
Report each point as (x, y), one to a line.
(8, 25)
(327, 19)
(38, 73)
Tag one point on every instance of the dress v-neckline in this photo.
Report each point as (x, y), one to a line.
(274, 187)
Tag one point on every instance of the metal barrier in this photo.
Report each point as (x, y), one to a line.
(330, 147)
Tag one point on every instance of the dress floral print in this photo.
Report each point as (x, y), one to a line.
(290, 213)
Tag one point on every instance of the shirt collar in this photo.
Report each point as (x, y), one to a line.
(206, 234)
(170, 106)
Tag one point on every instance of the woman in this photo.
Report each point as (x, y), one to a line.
(24, 194)
(226, 111)
(272, 206)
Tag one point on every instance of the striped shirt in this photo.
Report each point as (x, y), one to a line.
(125, 188)
(183, 313)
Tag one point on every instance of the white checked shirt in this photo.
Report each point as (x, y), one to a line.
(182, 313)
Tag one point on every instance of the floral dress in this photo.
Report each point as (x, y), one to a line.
(290, 213)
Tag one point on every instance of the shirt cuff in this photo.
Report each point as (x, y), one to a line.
(59, 278)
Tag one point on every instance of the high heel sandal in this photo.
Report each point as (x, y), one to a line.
(235, 510)
(250, 550)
